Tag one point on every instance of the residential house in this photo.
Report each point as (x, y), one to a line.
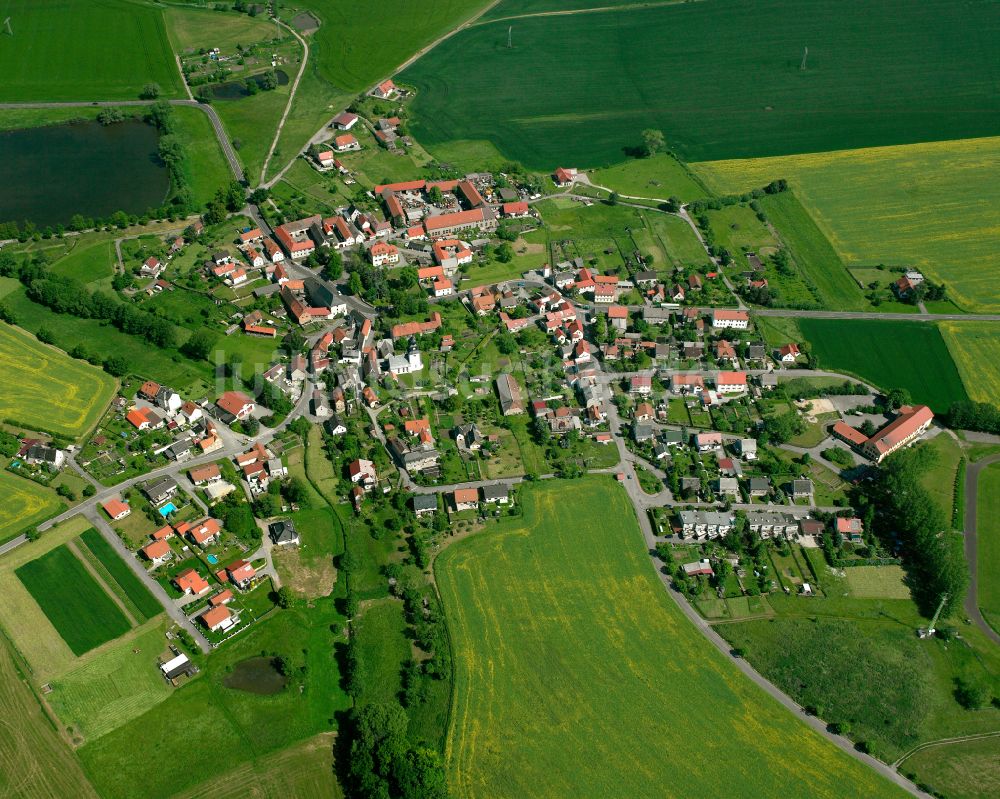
(234, 406)
(157, 552)
(498, 494)
(190, 582)
(160, 490)
(219, 619)
(465, 498)
(511, 402)
(241, 573)
(116, 509)
(424, 504)
(362, 473)
(283, 533)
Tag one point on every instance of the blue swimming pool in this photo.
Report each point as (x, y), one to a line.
(212, 559)
(167, 509)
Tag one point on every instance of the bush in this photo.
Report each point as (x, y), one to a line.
(971, 693)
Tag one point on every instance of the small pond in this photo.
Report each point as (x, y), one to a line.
(50, 173)
(235, 89)
(255, 676)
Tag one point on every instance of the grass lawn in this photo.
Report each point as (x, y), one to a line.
(818, 262)
(574, 685)
(84, 50)
(35, 762)
(965, 770)
(975, 348)
(988, 542)
(661, 177)
(384, 647)
(225, 727)
(93, 264)
(109, 690)
(882, 353)
(205, 167)
(193, 29)
(939, 481)
(55, 392)
(676, 239)
(876, 582)
(133, 587)
(928, 206)
(251, 123)
(737, 228)
(682, 68)
(354, 54)
(303, 770)
(25, 503)
(71, 598)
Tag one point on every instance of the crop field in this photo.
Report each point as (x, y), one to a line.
(83, 50)
(818, 261)
(35, 763)
(975, 347)
(964, 770)
(354, 54)
(25, 503)
(682, 68)
(78, 607)
(55, 392)
(882, 353)
(563, 690)
(930, 206)
(122, 574)
(988, 541)
(111, 689)
(510, 8)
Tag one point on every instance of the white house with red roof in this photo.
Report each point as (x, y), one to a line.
(731, 382)
(385, 90)
(788, 353)
(325, 158)
(346, 142)
(362, 472)
(116, 509)
(241, 573)
(381, 254)
(564, 176)
(723, 318)
(345, 120)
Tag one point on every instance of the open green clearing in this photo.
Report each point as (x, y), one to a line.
(511, 8)
(224, 728)
(77, 606)
(35, 763)
(930, 206)
(54, 392)
(882, 353)
(353, 53)
(965, 770)
(988, 541)
(939, 480)
(84, 50)
(384, 649)
(192, 29)
(660, 176)
(818, 262)
(575, 686)
(111, 689)
(721, 79)
(133, 587)
(205, 167)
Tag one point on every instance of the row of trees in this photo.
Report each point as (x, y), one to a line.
(904, 509)
(969, 415)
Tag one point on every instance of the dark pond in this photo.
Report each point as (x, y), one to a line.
(50, 173)
(256, 676)
(235, 89)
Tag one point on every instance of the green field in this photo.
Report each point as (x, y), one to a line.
(224, 729)
(384, 649)
(35, 763)
(818, 261)
(988, 517)
(975, 347)
(354, 54)
(84, 50)
(658, 177)
(966, 770)
(54, 392)
(93, 264)
(721, 79)
(25, 503)
(876, 582)
(205, 167)
(133, 587)
(898, 354)
(77, 606)
(194, 29)
(929, 206)
(107, 691)
(564, 690)
(939, 479)
(510, 8)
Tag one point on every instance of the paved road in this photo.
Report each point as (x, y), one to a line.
(971, 549)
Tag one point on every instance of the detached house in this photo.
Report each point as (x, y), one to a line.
(234, 406)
